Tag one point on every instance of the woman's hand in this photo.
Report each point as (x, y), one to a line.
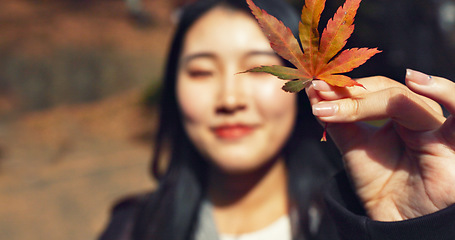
(405, 168)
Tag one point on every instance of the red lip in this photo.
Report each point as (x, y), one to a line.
(233, 131)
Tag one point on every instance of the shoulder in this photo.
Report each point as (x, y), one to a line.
(122, 217)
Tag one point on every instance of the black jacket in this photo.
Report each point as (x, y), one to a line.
(353, 224)
(344, 208)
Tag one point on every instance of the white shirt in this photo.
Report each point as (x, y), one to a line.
(206, 229)
(280, 229)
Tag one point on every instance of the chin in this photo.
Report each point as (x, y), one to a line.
(238, 165)
(237, 170)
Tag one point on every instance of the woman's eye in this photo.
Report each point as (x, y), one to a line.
(199, 73)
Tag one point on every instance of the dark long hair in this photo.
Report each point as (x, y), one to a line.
(170, 212)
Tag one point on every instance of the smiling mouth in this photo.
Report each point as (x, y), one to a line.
(232, 132)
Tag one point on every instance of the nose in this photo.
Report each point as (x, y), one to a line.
(231, 93)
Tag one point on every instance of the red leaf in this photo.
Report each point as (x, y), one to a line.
(337, 32)
(308, 31)
(281, 38)
(339, 80)
(318, 59)
(347, 60)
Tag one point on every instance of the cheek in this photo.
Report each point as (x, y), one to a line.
(272, 101)
(194, 100)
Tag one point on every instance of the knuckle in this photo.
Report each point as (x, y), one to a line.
(399, 100)
(351, 109)
(377, 83)
(397, 92)
(383, 80)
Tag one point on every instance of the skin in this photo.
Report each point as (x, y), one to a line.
(401, 170)
(245, 161)
(405, 168)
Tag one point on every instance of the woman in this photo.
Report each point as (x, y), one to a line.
(244, 161)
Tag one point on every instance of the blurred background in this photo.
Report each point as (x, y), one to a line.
(79, 81)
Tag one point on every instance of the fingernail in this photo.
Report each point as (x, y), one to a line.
(325, 109)
(418, 77)
(320, 85)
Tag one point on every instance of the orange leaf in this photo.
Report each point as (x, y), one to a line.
(337, 32)
(339, 80)
(347, 60)
(308, 31)
(319, 59)
(281, 38)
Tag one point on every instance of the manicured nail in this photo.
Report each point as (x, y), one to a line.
(320, 85)
(418, 77)
(325, 109)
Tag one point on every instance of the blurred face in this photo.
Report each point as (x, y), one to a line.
(237, 121)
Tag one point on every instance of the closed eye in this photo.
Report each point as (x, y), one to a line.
(200, 73)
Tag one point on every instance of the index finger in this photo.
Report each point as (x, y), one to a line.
(371, 84)
(401, 105)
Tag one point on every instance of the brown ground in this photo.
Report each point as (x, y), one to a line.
(62, 168)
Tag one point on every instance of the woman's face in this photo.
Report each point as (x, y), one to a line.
(237, 121)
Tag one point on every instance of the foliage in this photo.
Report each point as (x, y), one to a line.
(320, 58)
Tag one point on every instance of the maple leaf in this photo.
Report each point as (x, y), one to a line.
(320, 58)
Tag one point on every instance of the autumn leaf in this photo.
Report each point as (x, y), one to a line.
(320, 58)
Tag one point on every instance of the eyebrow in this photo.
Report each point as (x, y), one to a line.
(185, 60)
(265, 52)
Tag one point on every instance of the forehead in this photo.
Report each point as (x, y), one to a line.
(225, 30)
